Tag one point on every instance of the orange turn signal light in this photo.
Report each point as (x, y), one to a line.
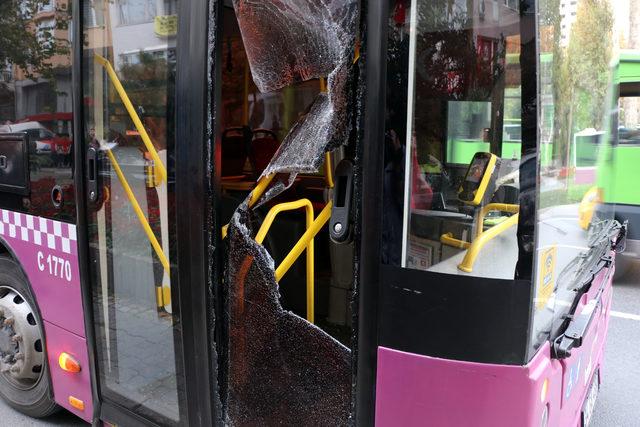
(68, 363)
(76, 403)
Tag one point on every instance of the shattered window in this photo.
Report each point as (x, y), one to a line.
(300, 55)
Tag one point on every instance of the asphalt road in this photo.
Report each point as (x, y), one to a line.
(619, 401)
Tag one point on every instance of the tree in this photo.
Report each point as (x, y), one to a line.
(23, 43)
(581, 74)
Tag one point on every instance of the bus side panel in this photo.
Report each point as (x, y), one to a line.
(68, 384)
(416, 390)
(579, 368)
(48, 253)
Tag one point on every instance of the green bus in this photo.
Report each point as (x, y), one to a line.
(469, 127)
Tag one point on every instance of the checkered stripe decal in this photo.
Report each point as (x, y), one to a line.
(55, 235)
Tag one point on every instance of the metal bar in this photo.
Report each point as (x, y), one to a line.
(136, 207)
(264, 229)
(311, 232)
(132, 113)
(328, 169)
(501, 207)
(257, 192)
(449, 240)
(472, 253)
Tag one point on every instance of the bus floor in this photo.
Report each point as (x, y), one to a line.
(618, 401)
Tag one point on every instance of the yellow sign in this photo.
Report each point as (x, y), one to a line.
(547, 272)
(166, 25)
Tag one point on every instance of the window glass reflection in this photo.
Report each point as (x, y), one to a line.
(36, 99)
(453, 142)
(129, 66)
(577, 101)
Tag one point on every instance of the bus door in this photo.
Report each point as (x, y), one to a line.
(478, 244)
(129, 127)
(286, 352)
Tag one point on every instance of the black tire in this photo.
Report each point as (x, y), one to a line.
(37, 401)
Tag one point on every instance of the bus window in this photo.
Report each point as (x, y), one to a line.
(129, 65)
(288, 324)
(576, 98)
(453, 138)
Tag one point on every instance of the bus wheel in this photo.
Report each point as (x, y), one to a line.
(24, 378)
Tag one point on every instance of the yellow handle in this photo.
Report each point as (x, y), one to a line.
(472, 253)
(501, 207)
(264, 229)
(136, 207)
(162, 171)
(449, 240)
(311, 232)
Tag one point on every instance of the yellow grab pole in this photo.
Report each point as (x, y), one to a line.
(264, 229)
(501, 207)
(261, 187)
(136, 207)
(472, 253)
(328, 169)
(257, 192)
(162, 171)
(449, 240)
(311, 232)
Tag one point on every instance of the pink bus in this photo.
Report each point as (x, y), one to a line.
(170, 275)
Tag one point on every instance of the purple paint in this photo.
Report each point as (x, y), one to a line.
(415, 390)
(48, 253)
(67, 384)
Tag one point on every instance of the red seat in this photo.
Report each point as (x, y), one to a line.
(235, 149)
(263, 147)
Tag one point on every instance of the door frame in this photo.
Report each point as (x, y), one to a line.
(194, 230)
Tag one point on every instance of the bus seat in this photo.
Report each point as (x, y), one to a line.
(235, 149)
(263, 147)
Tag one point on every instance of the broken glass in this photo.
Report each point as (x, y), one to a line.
(282, 369)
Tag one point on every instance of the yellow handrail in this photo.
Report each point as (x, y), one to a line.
(257, 192)
(136, 207)
(134, 116)
(311, 232)
(482, 239)
(449, 240)
(502, 207)
(328, 169)
(305, 242)
(264, 229)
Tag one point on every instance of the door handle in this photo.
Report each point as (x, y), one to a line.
(92, 174)
(340, 224)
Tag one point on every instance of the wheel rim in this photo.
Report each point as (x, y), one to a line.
(21, 344)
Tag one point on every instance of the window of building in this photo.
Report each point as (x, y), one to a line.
(136, 11)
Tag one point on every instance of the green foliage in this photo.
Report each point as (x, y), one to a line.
(25, 45)
(581, 72)
(589, 56)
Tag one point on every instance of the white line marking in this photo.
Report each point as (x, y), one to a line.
(625, 315)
